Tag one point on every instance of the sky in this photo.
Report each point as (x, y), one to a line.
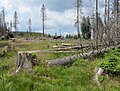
(60, 14)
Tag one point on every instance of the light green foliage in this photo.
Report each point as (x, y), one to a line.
(34, 55)
(111, 62)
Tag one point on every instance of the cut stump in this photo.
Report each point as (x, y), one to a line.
(26, 61)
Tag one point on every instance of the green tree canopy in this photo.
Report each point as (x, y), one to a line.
(85, 28)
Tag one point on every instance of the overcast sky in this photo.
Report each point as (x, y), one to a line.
(60, 14)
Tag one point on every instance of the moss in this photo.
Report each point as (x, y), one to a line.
(34, 55)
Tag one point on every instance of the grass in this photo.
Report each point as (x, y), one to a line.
(51, 55)
(3, 43)
(76, 77)
(35, 45)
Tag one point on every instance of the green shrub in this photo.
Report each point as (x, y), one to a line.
(34, 55)
(111, 64)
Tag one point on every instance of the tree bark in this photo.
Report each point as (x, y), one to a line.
(25, 61)
(71, 59)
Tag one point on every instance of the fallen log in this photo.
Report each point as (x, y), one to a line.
(71, 59)
(69, 48)
(66, 48)
(60, 61)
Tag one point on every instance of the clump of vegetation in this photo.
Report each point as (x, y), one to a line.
(34, 55)
(2, 54)
(111, 63)
(3, 43)
(101, 78)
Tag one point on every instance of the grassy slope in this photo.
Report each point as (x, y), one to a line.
(77, 77)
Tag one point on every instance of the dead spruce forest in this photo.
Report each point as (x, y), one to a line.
(86, 61)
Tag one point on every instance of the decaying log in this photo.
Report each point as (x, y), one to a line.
(71, 47)
(70, 59)
(95, 53)
(60, 61)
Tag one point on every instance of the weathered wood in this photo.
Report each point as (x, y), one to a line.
(70, 59)
(78, 47)
(60, 61)
(72, 47)
(35, 51)
(25, 61)
(98, 73)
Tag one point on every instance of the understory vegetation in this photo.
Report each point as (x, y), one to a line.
(111, 62)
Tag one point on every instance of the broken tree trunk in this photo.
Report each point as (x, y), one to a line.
(71, 59)
(98, 74)
(26, 61)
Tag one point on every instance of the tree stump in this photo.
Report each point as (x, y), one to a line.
(26, 61)
(98, 73)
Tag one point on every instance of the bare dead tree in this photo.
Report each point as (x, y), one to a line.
(29, 25)
(11, 26)
(78, 12)
(97, 24)
(114, 20)
(43, 9)
(108, 10)
(106, 30)
(3, 16)
(15, 22)
(105, 14)
(117, 2)
(0, 19)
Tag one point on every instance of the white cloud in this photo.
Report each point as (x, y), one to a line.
(5, 4)
(24, 9)
(55, 20)
(60, 19)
